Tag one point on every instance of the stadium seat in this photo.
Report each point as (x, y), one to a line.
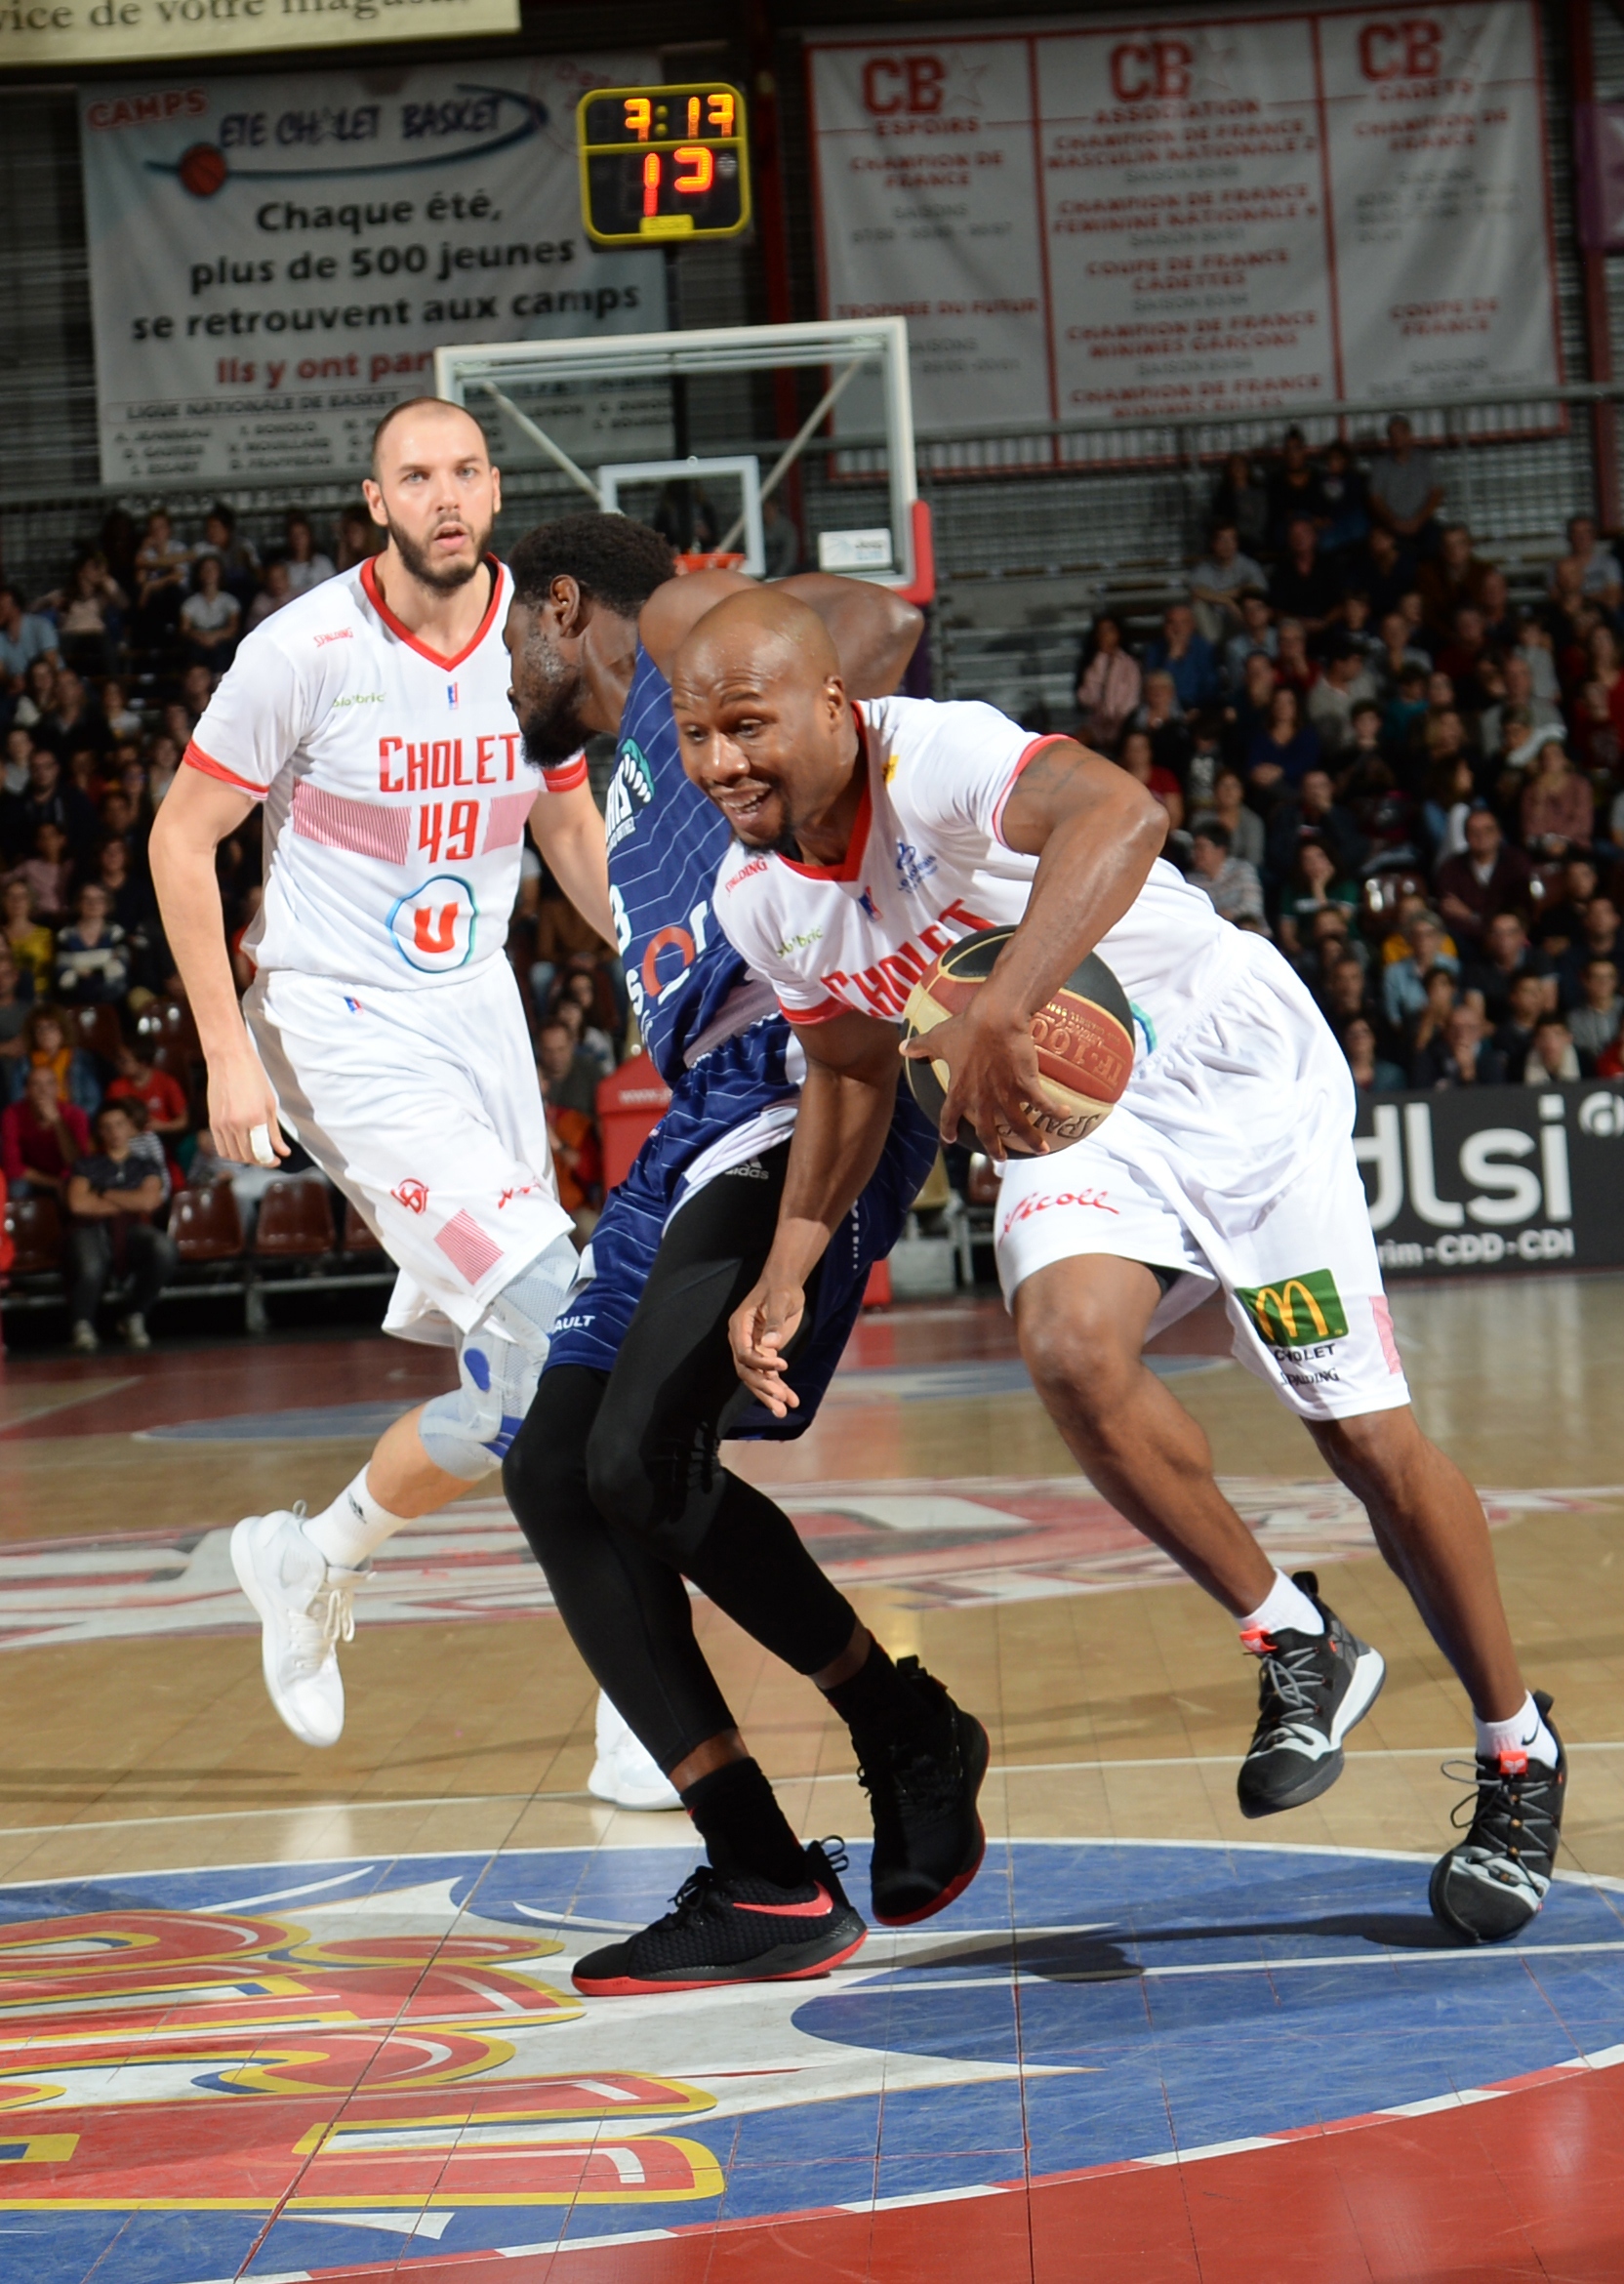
(981, 1187)
(357, 1236)
(36, 1232)
(175, 1063)
(206, 1225)
(99, 1032)
(168, 1023)
(295, 1222)
(937, 1189)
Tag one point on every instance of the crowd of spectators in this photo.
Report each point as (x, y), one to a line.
(102, 1104)
(1370, 750)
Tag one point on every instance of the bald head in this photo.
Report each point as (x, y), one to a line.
(759, 633)
(434, 491)
(764, 722)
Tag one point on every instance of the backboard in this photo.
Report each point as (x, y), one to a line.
(593, 407)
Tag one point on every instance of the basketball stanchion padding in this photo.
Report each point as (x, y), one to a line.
(1083, 1035)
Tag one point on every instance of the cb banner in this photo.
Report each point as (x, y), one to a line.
(1495, 1177)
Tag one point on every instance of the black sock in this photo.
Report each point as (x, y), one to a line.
(743, 1826)
(878, 1702)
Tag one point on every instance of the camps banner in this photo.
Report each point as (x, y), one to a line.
(273, 260)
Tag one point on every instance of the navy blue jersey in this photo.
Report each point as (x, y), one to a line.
(725, 1088)
(666, 842)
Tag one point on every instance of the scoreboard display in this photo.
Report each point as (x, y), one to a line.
(663, 163)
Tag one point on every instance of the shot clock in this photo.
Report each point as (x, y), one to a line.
(664, 163)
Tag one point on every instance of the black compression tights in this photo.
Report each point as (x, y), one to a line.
(616, 1481)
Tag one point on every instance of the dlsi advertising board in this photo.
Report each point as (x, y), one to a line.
(274, 261)
(1495, 1179)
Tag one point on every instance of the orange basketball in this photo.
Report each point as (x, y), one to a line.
(202, 170)
(1083, 1035)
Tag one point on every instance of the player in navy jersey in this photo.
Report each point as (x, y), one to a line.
(614, 1476)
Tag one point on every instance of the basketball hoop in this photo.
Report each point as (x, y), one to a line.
(569, 385)
(718, 559)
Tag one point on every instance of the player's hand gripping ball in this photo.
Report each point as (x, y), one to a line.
(1084, 1037)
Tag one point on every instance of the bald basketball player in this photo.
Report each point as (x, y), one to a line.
(882, 832)
(371, 719)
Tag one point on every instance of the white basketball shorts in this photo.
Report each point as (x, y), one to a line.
(423, 1107)
(1231, 1160)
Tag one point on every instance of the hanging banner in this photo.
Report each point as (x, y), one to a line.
(274, 261)
(1229, 216)
(139, 33)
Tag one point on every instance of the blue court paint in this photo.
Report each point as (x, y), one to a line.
(1087, 2004)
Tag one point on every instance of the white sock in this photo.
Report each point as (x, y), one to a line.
(1286, 1610)
(353, 1528)
(1525, 1732)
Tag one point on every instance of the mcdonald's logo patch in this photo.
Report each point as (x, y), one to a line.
(1296, 1312)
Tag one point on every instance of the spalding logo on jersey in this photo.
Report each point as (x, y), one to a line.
(432, 926)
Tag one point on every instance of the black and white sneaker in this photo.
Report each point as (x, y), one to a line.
(1492, 1883)
(1312, 1689)
(928, 1838)
(734, 1928)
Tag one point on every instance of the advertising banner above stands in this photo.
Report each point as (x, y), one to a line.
(137, 33)
(274, 261)
(1495, 1178)
(1155, 214)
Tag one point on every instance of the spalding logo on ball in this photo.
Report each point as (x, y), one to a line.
(1083, 1035)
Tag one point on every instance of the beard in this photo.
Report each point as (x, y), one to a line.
(443, 578)
(551, 721)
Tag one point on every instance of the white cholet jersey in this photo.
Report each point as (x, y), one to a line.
(928, 865)
(395, 782)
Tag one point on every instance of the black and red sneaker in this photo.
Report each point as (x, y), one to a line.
(1489, 1884)
(734, 1927)
(922, 1788)
(1312, 1689)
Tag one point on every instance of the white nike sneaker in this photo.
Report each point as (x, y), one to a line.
(305, 1612)
(625, 1774)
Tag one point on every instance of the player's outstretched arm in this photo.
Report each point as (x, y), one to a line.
(198, 815)
(874, 632)
(840, 1131)
(1096, 833)
(568, 830)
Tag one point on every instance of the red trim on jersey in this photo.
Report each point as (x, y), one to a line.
(364, 828)
(509, 815)
(824, 1012)
(568, 774)
(194, 758)
(369, 582)
(857, 848)
(1055, 738)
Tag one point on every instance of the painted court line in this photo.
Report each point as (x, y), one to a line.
(1034, 1978)
(316, 1807)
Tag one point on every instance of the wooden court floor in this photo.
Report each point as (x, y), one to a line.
(274, 2014)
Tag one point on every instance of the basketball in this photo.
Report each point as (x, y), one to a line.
(1083, 1035)
(202, 170)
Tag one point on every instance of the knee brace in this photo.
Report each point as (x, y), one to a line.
(467, 1431)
